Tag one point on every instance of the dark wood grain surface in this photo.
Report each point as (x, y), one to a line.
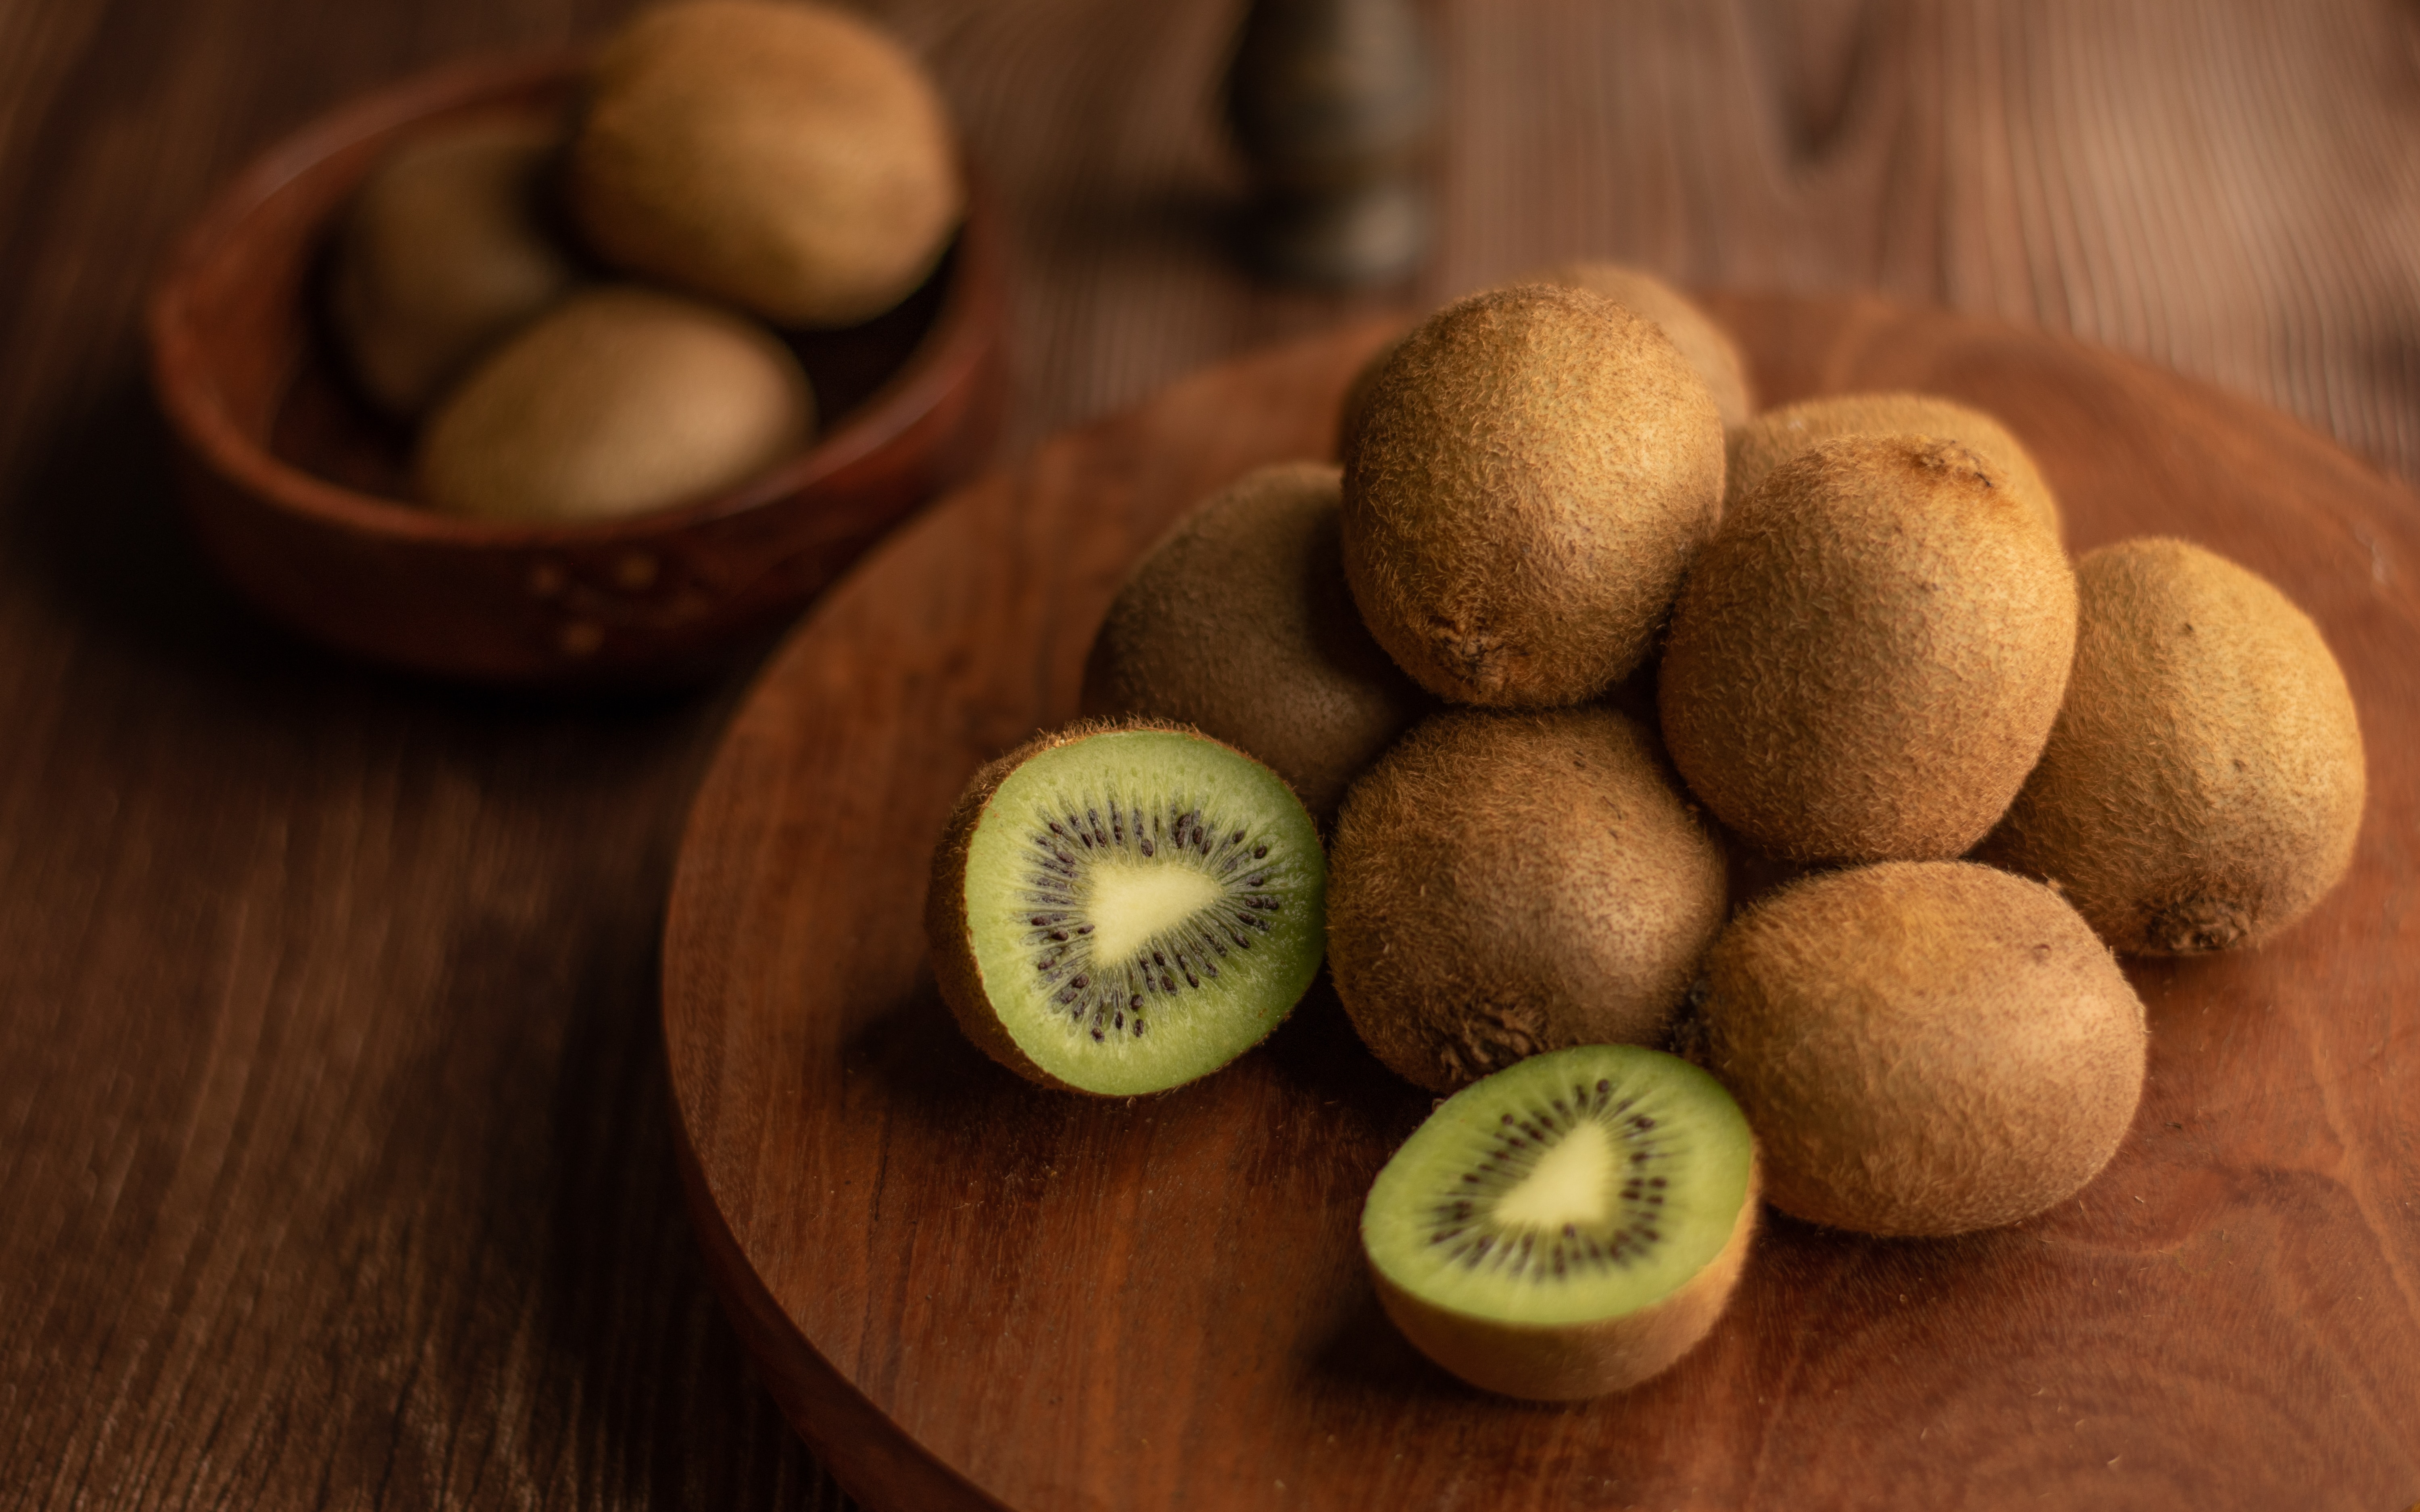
(1052, 1302)
(333, 1148)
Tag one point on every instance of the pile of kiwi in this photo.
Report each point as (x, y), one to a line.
(584, 318)
(1573, 641)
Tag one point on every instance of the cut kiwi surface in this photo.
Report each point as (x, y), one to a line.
(1568, 1227)
(1119, 909)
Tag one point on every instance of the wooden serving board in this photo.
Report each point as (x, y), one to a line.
(968, 1292)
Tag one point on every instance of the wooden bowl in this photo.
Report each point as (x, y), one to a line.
(968, 1292)
(295, 487)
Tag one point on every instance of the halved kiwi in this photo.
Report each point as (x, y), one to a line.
(1120, 908)
(1568, 1227)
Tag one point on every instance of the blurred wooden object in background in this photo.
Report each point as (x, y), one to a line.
(1333, 102)
(333, 1138)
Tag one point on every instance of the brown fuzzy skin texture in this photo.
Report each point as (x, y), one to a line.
(1708, 347)
(617, 401)
(949, 935)
(1238, 622)
(1777, 435)
(1503, 884)
(787, 158)
(1923, 1048)
(1535, 471)
(1705, 345)
(1870, 654)
(443, 254)
(2203, 787)
(1576, 1361)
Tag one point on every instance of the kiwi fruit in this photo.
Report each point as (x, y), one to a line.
(442, 252)
(1118, 908)
(789, 159)
(1708, 347)
(1238, 622)
(1536, 469)
(1870, 653)
(1569, 1226)
(1504, 882)
(617, 401)
(1922, 1047)
(2203, 786)
(1705, 344)
(1777, 435)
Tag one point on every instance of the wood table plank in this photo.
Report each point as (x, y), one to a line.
(330, 1124)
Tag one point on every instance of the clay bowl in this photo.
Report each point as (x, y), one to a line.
(296, 488)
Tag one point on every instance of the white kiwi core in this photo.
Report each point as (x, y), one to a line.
(1131, 903)
(1571, 1184)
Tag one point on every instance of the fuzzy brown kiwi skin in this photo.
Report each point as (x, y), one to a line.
(2203, 788)
(1922, 1048)
(1707, 347)
(1533, 471)
(1867, 659)
(1505, 883)
(1574, 1362)
(1239, 623)
(949, 933)
(1780, 434)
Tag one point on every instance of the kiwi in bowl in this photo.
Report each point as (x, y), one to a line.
(298, 487)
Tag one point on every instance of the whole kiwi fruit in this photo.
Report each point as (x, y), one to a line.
(1536, 469)
(1706, 345)
(1238, 622)
(1503, 883)
(1868, 655)
(442, 252)
(2203, 786)
(1922, 1047)
(616, 401)
(1780, 434)
(787, 158)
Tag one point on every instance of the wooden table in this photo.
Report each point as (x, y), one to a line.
(334, 1155)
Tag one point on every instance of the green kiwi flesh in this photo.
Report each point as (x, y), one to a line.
(1238, 622)
(1119, 909)
(2203, 786)
(1568, 1227)
(1923, 1048)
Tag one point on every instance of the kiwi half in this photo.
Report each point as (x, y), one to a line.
(1120, 908)
(1569, 1226)
(1924, 1048)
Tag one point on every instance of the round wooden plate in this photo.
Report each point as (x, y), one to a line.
(968, 1292)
